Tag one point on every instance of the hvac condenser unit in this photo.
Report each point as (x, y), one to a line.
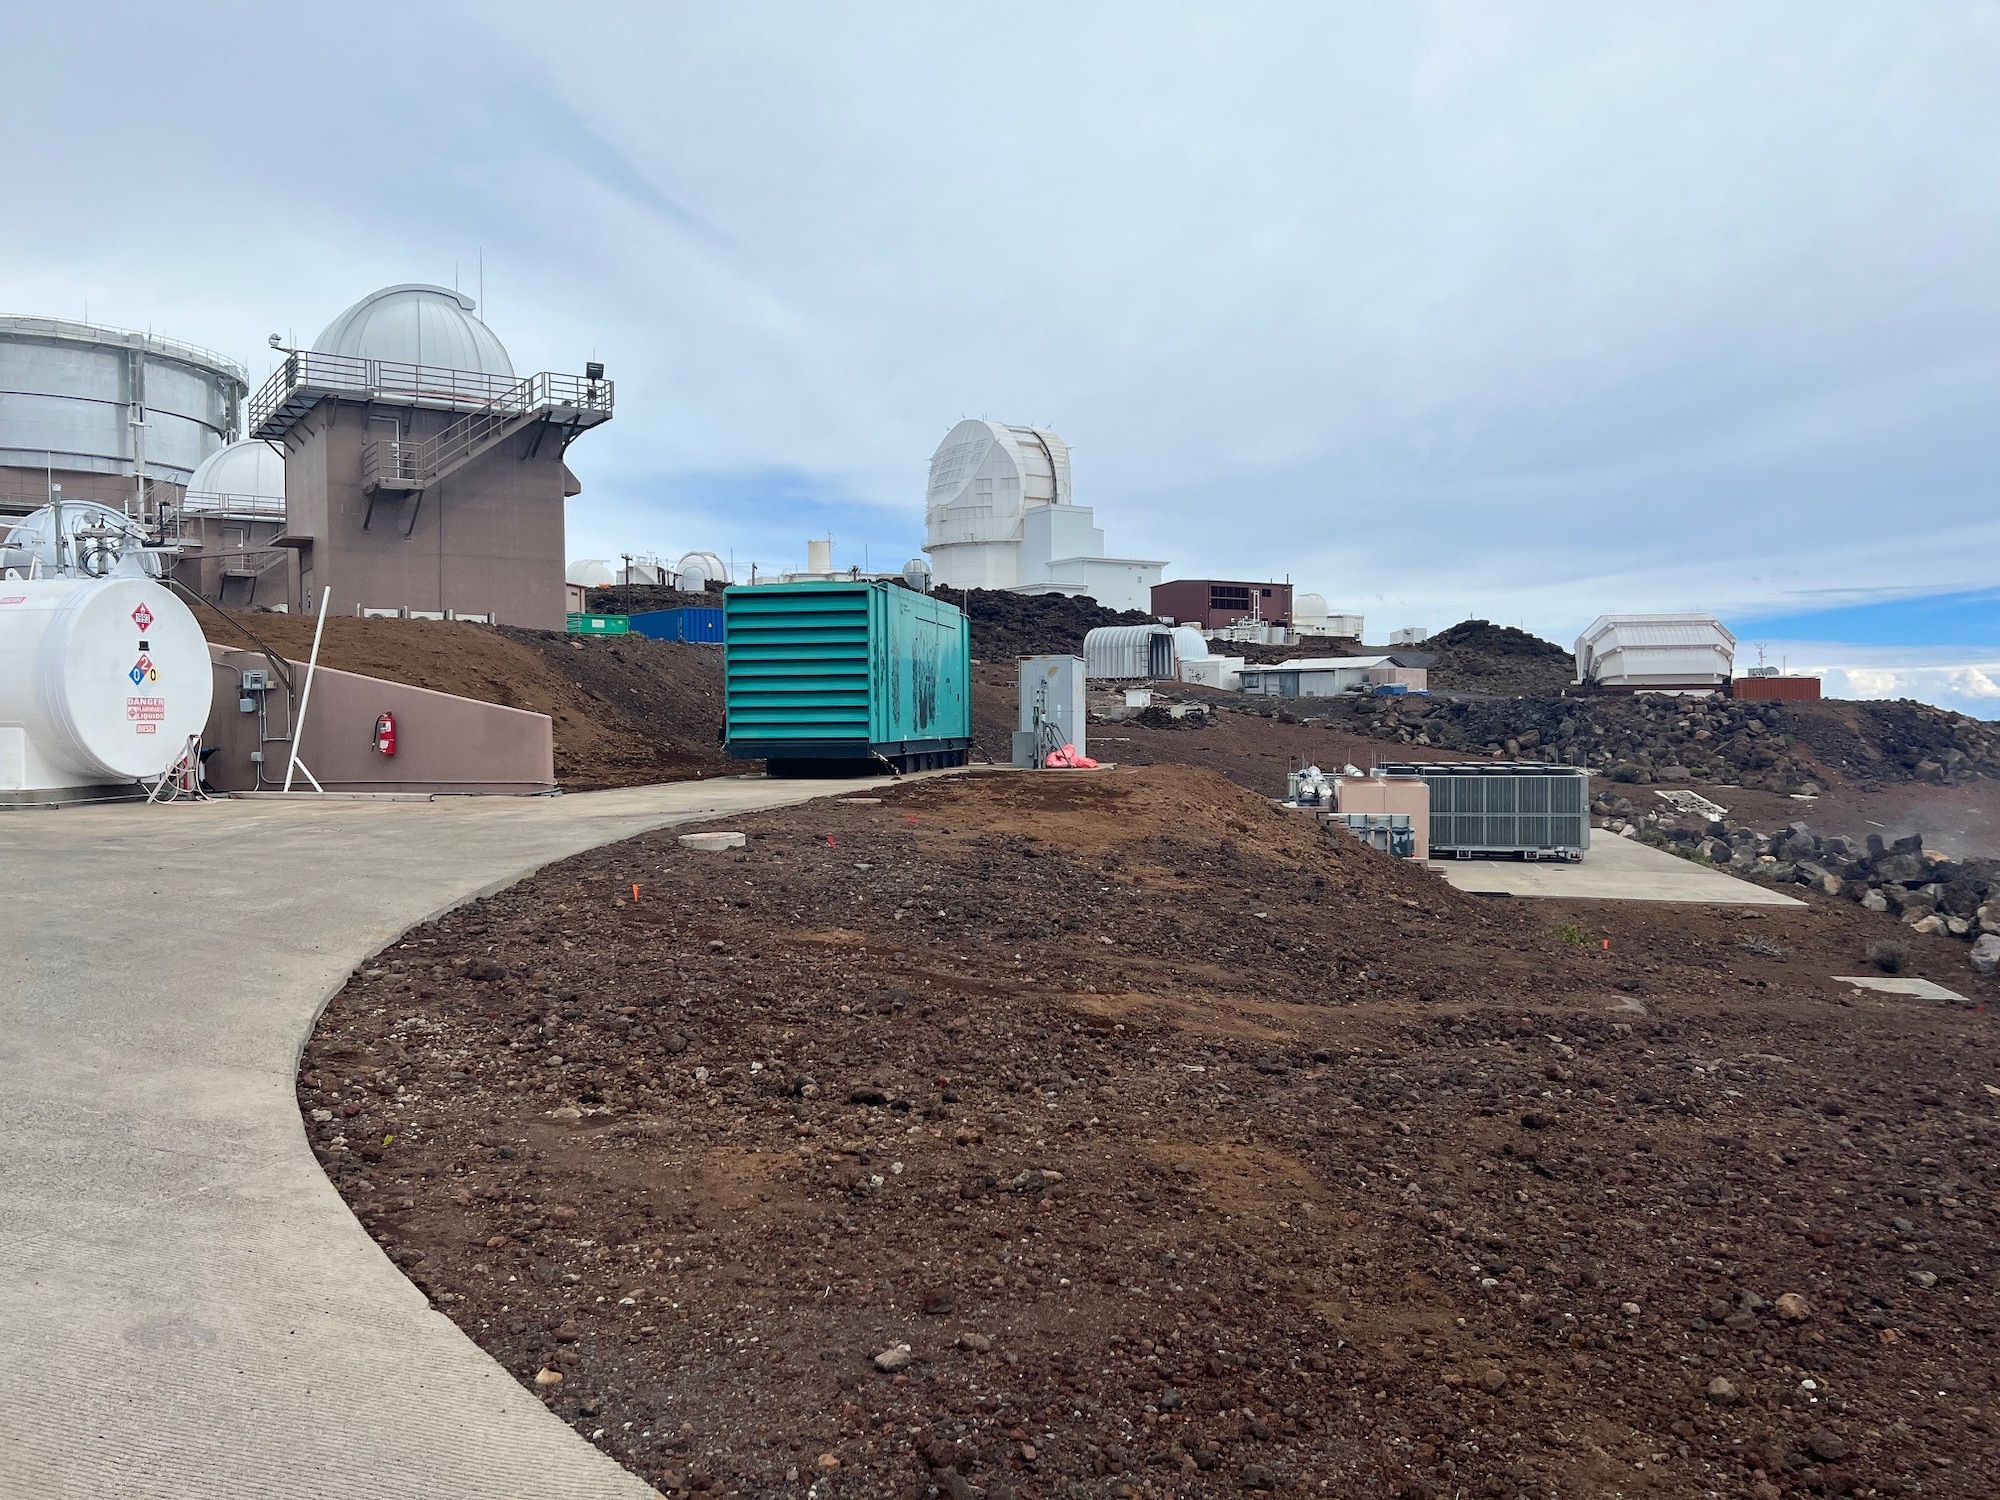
(1524, 808)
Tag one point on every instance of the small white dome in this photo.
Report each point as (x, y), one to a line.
(1312, 605)
(415, 324)
(591, 572)
(249, 470)
(696, 570)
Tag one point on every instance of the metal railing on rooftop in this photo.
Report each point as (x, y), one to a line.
(29, 325)
(306, 375)
(216, 503)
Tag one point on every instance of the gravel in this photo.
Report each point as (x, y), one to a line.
(1188, 1200)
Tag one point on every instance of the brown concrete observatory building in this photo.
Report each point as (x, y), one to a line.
(422, 475)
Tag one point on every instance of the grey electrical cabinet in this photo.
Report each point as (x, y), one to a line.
(1052, 695)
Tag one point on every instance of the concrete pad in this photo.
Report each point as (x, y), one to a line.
(190, 1308)
(1916, 989)
(713, 841)
(1613, 869)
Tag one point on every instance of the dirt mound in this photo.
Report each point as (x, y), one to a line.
(670, 693)
(639, 598)
(1782, 748)
(1112, 1133)
(1006, 625)
(1895, 739)
(1477, 656)
(625, 710)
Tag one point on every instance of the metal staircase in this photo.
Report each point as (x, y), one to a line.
(405, 465)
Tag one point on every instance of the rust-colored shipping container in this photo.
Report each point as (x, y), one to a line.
(1777, 689)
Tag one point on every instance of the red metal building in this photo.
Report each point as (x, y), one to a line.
(1777, 689)
(1216, 602)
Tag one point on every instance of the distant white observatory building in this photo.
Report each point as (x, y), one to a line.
(1000, 514)
(1676, 653)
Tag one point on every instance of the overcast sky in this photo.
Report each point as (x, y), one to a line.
(1526, 311)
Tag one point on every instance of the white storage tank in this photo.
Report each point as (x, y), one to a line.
(102, 681)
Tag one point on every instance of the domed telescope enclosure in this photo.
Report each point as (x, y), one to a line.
(984, 476)
(228, 524)
(421, 473)
(999, 514)
(107, 415)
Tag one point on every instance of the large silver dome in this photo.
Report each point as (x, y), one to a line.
(415, 324)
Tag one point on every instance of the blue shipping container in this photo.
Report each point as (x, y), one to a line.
(701, 626)
(846, 671)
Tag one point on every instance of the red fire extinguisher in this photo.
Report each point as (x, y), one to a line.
(385, 735)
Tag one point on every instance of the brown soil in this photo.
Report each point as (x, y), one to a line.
(1252, 750)
(626, 711)
(1254, 753)
(670, 692)
(1190, 1153)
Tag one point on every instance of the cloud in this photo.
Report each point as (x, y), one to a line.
(1442, 309)
(1968, 689)
(1963, 679)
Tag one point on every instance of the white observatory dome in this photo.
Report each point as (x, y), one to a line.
(589, 572)
(984, 478)
(247, 470)
(414, 324)
(697, 570)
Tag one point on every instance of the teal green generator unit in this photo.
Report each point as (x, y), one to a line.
(816, 674)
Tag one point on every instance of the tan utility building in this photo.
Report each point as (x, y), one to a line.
(423, 477)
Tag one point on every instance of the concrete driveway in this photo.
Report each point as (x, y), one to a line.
(189, 1308)
(1613, 869)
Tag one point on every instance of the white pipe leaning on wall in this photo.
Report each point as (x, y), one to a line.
(306, 697)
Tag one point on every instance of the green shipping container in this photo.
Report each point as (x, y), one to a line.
(597, 624)
(818, 672)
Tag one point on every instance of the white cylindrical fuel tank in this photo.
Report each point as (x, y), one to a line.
(102, 680)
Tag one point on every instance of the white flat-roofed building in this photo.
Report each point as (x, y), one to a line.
(1330, 676)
